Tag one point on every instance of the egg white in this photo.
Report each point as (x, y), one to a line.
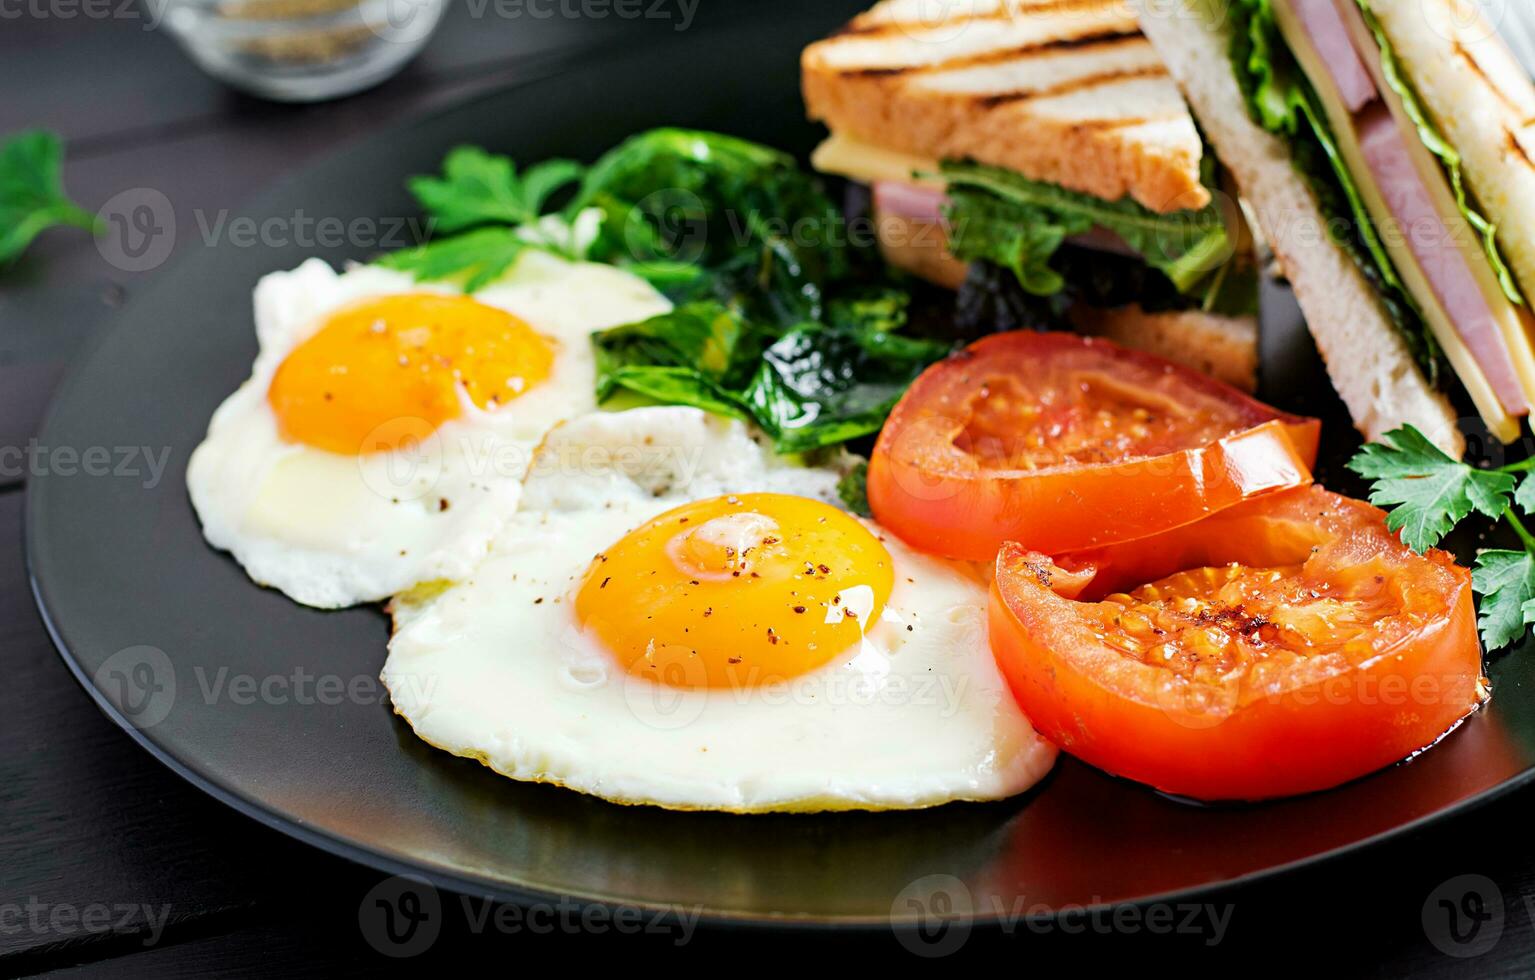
(332, 530)
(497, 668)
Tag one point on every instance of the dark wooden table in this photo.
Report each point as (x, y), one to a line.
(110, 864)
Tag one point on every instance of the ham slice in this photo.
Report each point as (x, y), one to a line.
(1329, 35)
(1443, 262)
(1442, 259)
(908, 201)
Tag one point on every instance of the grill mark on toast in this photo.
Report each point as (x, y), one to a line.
(1100, 125)
(1065, 88)
(1476, 67)
(1106, 39)
(882, 28)
(1518, 148)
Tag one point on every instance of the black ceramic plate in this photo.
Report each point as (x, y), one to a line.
(139, 604)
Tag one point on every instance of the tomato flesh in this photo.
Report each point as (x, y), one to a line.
(1063, 442)
(1288, 644)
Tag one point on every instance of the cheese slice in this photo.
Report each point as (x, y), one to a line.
(866, 163)
(1513, 324)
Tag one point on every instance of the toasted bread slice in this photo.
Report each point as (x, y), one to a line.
(1369, 362)
(1483, 102)
(1064, 91)
(1223, 347)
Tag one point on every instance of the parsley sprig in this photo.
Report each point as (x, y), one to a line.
(479, 188)
(32, 197)
(1429, 493)
(499, 212)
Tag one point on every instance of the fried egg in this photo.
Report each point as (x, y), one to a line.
(383, 435)
(677, 617)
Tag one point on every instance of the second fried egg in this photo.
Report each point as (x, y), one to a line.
(384, 432)
(677, 617)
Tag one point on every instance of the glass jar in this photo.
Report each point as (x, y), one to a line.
(302, 50)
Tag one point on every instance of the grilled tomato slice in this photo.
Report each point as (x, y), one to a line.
(1062, 442)
(1287, 644)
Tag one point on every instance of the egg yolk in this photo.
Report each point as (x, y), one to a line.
(736, 591)
(380, 371)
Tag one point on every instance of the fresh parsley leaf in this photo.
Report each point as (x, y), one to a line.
(1428, 491)
(543, 180)
(479, 188)
(1506, 582)
(32, 197)
(482, 191)
(1524, 497)
(853, 488)
(475, 258)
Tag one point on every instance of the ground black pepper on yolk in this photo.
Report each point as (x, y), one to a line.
(738, 591)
